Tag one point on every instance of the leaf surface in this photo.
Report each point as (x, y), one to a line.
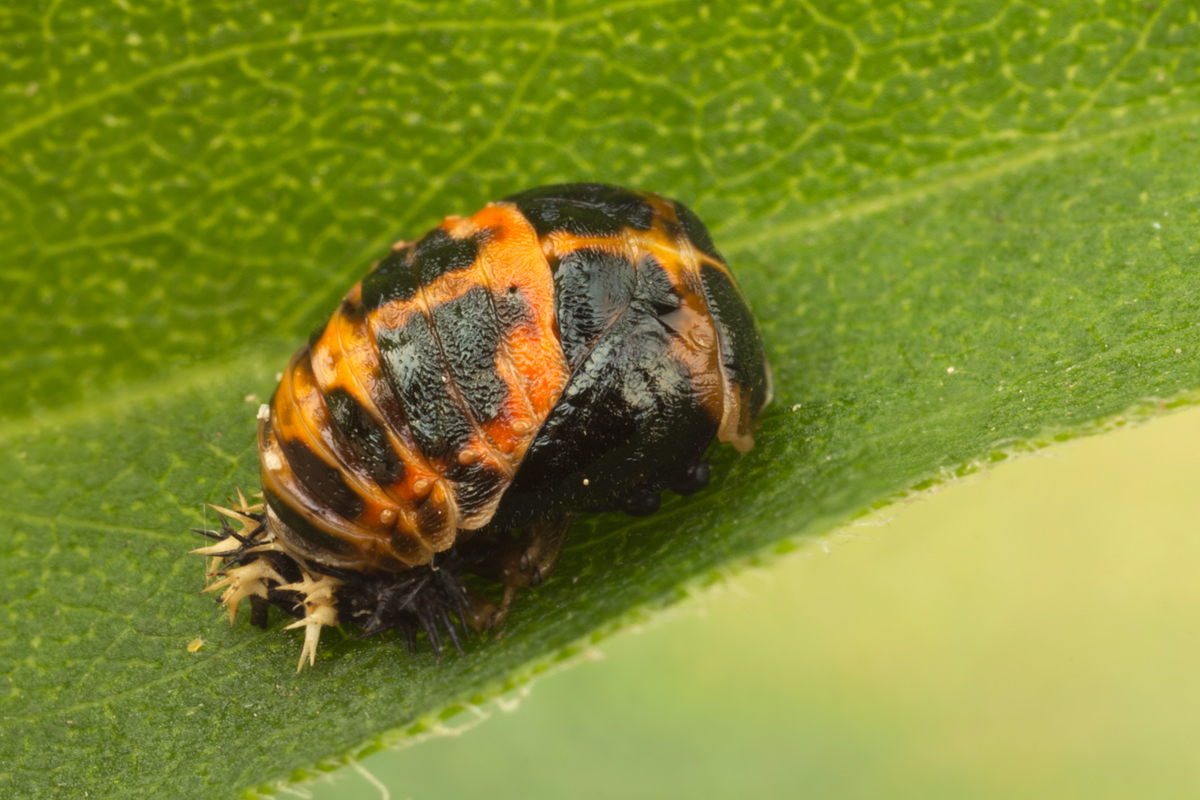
(964, 231)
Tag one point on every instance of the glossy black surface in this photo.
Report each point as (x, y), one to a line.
(432, 256)
(695, 230)
(412, 364)
(591, 290)
(302, 527)
(470, 334)
(741, 345)
(321, 479)
(429, 369)
(365, 437)
(627, 424)
(584, 209)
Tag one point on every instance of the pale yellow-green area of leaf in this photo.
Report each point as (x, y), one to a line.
(962, 228)
(1029, 634)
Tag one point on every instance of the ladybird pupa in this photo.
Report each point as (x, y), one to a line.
(569, 349)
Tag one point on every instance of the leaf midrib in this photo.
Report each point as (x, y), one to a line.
(830, 213)
(966, 174)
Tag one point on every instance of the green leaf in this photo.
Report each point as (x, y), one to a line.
(965, 232)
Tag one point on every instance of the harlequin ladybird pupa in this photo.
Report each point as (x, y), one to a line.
(568, 349)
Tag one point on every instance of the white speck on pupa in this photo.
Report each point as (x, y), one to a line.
(264, 412)
(271, 460)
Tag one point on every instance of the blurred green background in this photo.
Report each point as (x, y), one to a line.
(1032, 633)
